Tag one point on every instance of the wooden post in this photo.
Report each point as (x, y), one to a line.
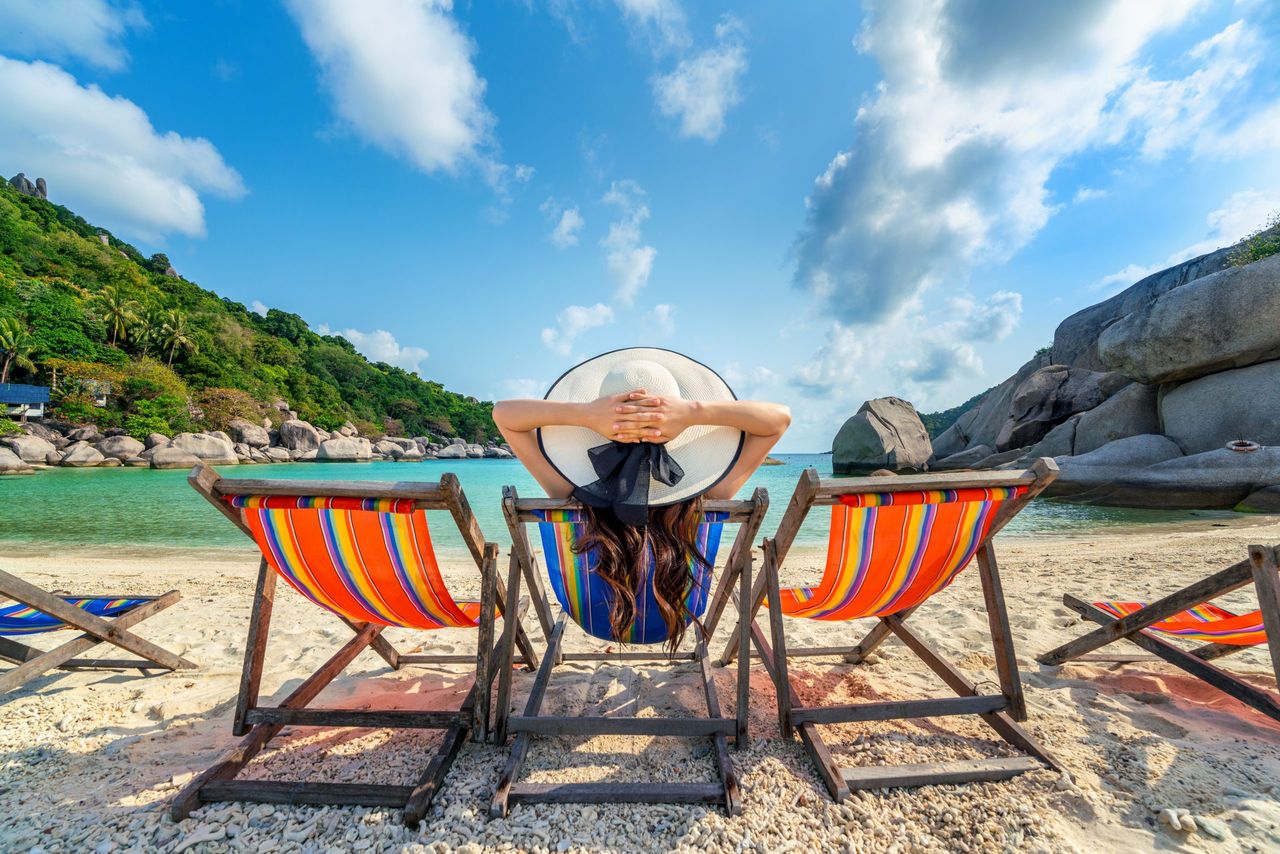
(1001, 636)
(744, 660)
(783, 684)
(484, 641)
(255, 648)
(1263, 561)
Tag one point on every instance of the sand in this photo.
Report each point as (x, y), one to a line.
(89, 760)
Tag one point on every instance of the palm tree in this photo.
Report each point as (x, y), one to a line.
(149, 331)
(117, 310)
(17, 345)
(176, 333)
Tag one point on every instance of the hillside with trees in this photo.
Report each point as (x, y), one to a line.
(83, 312)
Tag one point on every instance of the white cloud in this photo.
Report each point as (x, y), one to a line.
(86, 30)
(400, 74)
(103, 158)
(381, 346)
(661, 22)
(629, 262)
(662, 320)
(993, 320)
(942, 362)
(705, 86)
(572, 322)
(747, 382)
(523, 173)
(1241, 214)
(979, 104)
(836, 363)
(1088, 194)
(568, 222)
(259, 307)
(524, 387)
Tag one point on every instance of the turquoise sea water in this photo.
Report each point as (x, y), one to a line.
(139, 507)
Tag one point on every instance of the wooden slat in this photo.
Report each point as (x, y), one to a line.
(588, 725)
(743, 543)
(834, 487)
(69, 650)
(459, 658)
(204, 480)
(370, 718)
(255, 648)
(898, 709)
(1263, 701)
(1219, 584)
(1263, 561)
(415, 806)
(724, 765)
(522, 551)
(292, 792)
(627, 656)
(1001, 636)
(938, 773)
(430, 494)
(617, 793)
(738, 510)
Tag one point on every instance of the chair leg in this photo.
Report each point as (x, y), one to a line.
(744, 661)
(757, 597)
(783, 682)
(1001, 636)
(507, 651)
(484, 641)
(1263, 562)
(255, 648)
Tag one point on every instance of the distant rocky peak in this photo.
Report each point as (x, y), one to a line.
(22, 184)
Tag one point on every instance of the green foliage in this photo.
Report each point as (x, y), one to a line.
(1263, 243)
(141, 426)
(177, 350)
(9, 427)
(936, 423)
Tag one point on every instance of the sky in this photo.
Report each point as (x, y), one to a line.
(826, 202)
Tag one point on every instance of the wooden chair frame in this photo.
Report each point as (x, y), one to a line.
(748, 515)
(1000, 711)
(259, 724)
(32, 662)
(1260, 570)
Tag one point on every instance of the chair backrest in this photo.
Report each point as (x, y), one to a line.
(360, 550)
(894, 542)
(588, 598)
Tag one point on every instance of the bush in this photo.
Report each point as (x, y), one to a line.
(77, 408)
(8, 427)
(140, 426)
(221, 406)
(1263, 243)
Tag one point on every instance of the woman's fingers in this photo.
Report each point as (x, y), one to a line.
(638, 417)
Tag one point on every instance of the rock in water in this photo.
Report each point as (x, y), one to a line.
(120, 447)
(29, 449)
(1218, 479)
(345, 450)
(1223, 321)
(169, 457)
(885, 433)
(1206, 413)
(82, 456)
(298, 435)
(10, 463)
(214, 450)
(452, 452)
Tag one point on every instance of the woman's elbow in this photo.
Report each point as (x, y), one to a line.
(501, 414)
(783, 417)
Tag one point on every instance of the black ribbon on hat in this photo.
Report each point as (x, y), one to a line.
(624, 470)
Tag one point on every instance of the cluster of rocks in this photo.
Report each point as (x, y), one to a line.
(295, 440)
(22, 184)
(1166, 395)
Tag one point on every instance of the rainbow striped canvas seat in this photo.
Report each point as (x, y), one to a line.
(890, 551)
(587, 598)
(19, 619)
(1205, 622)
(369, 560)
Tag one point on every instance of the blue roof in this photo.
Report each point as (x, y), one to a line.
(14, 393)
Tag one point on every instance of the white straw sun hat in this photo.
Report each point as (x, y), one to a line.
(705, 453)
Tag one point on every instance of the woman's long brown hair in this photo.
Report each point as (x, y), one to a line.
(672, 534)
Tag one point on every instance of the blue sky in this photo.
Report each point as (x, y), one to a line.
(825, 201)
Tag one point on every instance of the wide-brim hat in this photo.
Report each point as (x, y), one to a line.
(706, 453)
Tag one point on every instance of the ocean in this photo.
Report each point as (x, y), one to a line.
(131, 508)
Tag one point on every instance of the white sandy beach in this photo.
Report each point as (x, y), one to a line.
(88, 760)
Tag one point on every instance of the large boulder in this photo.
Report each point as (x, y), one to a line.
(214, 450)
(1047, 398)
(457, 440)
(963, 459)
(171, 457)
(298, 435)
(11, 463)
(156, 440)
(29, 449)
(1129, 412)
(348, 429)
(53, 437)
(885, 433)
(475, 452)
(277, 455)
(82, 455)
(120, 447)
(344, 450)
(1080, 474)
(452, 452)
(88, 433)
(1206, 413)
(1265, 500)
(1222, 321)
(981, 424)
(1060, 441)
(412, 455)
(405, 444)
(388, 448)
(248, 433)
(1075, 341)
(1219, 479)
(497, 454)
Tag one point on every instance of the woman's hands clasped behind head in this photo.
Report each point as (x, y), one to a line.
(638, 416)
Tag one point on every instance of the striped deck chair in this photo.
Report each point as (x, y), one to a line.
(102, 619)
(1190, 615)
(363, 552)
(586, 599)
(894, 543)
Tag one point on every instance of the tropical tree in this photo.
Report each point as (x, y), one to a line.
(149, 331)
(176, 332)
(117, 309)
(17, 345)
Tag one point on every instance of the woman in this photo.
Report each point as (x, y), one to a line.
(640, 436)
